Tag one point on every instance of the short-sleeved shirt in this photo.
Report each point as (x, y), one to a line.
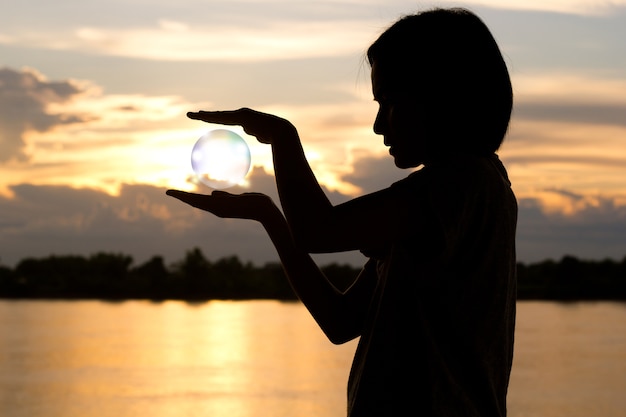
(438, 339)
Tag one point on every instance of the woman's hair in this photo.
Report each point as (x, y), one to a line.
(448, 60)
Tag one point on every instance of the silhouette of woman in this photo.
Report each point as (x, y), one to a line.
(434, 305)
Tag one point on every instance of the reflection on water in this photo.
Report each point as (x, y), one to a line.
(255, 358)
(570, 360)
(171, 359)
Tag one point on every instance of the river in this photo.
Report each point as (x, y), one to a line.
(268, 358)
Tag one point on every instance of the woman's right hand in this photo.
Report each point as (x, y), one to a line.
(264, 126)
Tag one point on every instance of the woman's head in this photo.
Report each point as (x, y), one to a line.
(444, 68)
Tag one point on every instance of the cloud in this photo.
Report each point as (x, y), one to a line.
(25, 101)
(568, 133)
(142, 221)
(168, 40)
(578, 7)
(599, 114)
(596, 229)
(570, 97)
(277, 30)
(72, 133)
(372, 173)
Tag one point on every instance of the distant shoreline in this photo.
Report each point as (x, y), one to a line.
(111, 277)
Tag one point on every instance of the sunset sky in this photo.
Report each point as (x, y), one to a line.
(93, 96)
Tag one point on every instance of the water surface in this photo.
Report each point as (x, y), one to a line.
(258, 358)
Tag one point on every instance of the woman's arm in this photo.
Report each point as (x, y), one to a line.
(339, 314)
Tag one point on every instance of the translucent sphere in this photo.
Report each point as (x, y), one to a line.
(220, 158)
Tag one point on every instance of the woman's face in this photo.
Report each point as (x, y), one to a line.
(400, 121)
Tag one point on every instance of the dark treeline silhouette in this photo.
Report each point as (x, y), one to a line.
(573, 279)
(113, 276)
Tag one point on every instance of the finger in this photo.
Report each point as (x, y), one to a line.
(228, 117)
(218, 193)
(195, 200)
(176, 193)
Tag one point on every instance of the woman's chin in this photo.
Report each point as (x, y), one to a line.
(404, 163)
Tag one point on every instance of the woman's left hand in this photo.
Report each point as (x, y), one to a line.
(253, 206)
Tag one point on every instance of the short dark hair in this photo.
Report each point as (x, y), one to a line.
(450, 60)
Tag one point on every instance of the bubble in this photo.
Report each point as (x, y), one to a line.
(220, 158)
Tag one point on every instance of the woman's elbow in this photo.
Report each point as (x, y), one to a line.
(340, 338)
(340, 334)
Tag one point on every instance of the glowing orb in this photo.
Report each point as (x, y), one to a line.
(220, 158)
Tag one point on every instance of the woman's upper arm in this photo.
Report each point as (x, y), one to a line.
(369, 222)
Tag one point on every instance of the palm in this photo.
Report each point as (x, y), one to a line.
(251, 206)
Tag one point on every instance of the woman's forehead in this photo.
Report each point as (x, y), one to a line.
(388, 81)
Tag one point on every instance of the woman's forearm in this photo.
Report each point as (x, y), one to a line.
(303, 200)
(338, 314)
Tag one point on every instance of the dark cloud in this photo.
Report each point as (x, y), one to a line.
(595, 114)
(128, 108)
(605, 161)
(374, 173)
(594, 231)
(565, 193)
(24, 99)
(142, 221)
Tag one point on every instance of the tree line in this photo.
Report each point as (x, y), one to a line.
(113, 276)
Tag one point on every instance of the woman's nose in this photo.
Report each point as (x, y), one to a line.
(380, 124)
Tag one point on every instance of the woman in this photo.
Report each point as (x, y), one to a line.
(434, 306)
